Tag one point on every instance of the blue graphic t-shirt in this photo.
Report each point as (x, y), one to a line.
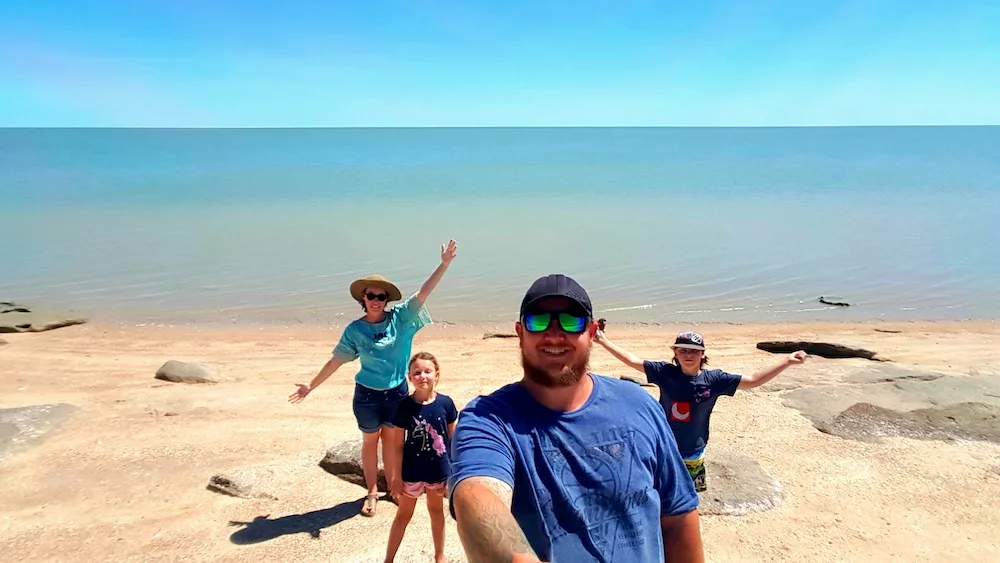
(425, 447)
(688, 401)
(383, 347)
(589, 485)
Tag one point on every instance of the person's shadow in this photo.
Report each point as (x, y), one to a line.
(262, 528)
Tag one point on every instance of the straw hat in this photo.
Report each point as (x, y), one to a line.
(374, 280)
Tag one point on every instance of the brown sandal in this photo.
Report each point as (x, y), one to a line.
(368, 508)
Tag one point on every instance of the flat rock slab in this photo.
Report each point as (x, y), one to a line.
(888, 373)
(737, 485)
(23, 427)
(237, 486)
(344, 461)
(268, 480)
(964, 421)
(15, 317)
(184, 372)
(820, 372)
(893, 408)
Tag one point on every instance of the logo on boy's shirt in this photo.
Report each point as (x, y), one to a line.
(702, 393)
(680, 411)
(378, 336)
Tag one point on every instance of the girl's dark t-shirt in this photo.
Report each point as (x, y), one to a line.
(426, 444)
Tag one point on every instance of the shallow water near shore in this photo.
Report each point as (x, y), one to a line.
(660, 225)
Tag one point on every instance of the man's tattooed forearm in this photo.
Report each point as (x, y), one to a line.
(498, 487)
(493, 536)
(487, 529)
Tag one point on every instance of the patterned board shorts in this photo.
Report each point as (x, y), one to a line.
(696, 469)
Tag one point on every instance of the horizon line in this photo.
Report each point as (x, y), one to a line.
(305, 127)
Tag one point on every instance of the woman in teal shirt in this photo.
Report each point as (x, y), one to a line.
(382, 339)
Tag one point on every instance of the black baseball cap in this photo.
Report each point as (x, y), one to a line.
(689, 339)
(557, 285)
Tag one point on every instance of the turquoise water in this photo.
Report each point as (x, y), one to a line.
(660, 224)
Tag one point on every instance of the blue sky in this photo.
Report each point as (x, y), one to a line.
(187, 63)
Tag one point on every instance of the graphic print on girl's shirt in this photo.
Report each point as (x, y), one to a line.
(425, 449)
(422, 430)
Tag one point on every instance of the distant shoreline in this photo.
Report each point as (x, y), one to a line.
(483, 127)
(501, 327)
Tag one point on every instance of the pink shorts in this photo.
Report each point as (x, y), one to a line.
(414, 490)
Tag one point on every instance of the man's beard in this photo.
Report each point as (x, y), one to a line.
(569, 376)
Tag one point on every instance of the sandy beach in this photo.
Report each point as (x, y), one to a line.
(124, 478)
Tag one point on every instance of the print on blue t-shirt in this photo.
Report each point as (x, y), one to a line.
(589, 485)
(383, 347)
(425, 447)
(688, 401)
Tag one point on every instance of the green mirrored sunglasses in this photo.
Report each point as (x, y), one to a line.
(569, 322)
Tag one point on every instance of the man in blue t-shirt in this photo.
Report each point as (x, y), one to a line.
(688, 392)
(565, 465)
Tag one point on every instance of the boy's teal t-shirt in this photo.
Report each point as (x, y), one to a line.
(383, 347)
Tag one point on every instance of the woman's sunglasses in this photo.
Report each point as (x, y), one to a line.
(569, 322)
(378, 296)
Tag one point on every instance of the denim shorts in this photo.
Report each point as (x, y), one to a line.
(375, 408)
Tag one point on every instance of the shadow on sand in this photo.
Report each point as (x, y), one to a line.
(262, 528)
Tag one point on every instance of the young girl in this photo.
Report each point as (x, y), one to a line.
(688, 392)
(422, 428)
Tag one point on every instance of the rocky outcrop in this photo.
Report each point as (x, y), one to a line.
(16, 317)
(344, 461)
(237, 486)
(184, 372)
(271, 480)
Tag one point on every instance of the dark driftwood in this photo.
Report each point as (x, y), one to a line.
(17, 318)
(888, 331)
(822, 349)
(824, 301)
(637, 381)
(499, 335)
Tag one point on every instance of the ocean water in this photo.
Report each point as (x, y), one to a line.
(659, 224)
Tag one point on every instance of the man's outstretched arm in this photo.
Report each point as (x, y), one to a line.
(682, 537)
(487, 529)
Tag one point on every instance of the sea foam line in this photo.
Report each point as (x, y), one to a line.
(631, 308)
